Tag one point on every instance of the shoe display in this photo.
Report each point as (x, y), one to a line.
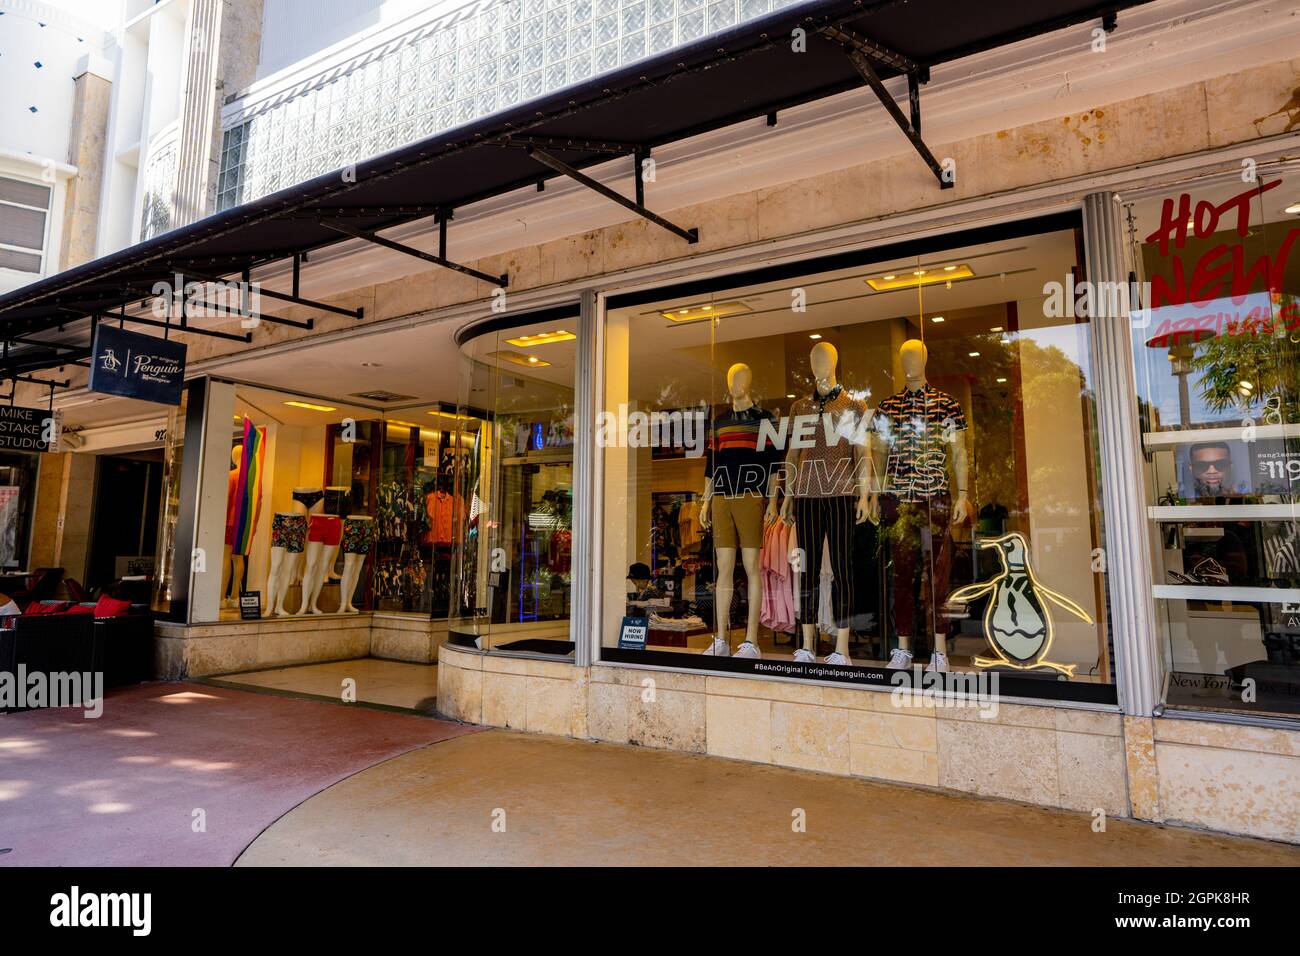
(838, 659)
(804, 657)
(900, 660)
(938, 662)
(748, 649)
(719, 648)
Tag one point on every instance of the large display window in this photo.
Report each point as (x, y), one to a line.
(512, 571)
(880, 463)
(1217, 353)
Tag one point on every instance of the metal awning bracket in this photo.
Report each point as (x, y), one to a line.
(865, 54)
(438, 260)
(637, 205)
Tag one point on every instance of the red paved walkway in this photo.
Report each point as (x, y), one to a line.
(123, 789)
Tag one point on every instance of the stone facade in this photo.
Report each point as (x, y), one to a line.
(1221, 776)
(208, 650)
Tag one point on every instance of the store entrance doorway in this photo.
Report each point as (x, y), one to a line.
(124, 531)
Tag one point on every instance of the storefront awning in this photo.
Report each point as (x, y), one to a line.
(751, 71)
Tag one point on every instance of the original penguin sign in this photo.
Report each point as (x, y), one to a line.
(137, 366)
(27, 429)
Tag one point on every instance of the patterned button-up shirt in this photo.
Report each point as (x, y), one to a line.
(917, 425)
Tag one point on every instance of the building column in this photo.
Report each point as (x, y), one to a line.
(87, 150)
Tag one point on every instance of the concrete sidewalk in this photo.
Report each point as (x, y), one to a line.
(500, 798)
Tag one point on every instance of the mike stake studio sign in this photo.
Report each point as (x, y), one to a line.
(137, 366)
(27, 429)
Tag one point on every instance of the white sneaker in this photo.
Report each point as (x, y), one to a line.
(837, 658)
(802, 656)
(748, 649)
(939, 662)
(900, 660)
(719, 648)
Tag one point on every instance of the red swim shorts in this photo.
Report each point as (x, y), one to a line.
(327, 529)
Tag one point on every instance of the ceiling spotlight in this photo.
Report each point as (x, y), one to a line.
(973, 354)
(790, 395)
(918, 278)
(1293, 209)
(542, 338)
(936, 318)
(996, 328)
(815, 335)
(1001, 380)
(949, 268)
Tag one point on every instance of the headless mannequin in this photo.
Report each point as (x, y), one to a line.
(913, 356)
(824, 359)
(740, 380)
(352, 564)
(232, 565)
(284, 564)
(317, 560)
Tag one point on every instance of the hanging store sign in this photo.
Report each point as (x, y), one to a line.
(137, 366)
(27, 429)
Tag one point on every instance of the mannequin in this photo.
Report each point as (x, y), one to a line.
(358, 533)
(323, 535)
(232, 565)
(288, 539)
(923, 432)
(739, 479)
(827, 490)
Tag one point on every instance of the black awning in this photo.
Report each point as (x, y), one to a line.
(747, 72)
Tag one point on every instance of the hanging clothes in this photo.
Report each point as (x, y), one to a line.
(825, 612)
(777, 611)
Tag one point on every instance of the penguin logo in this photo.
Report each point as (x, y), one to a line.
(1017, 619)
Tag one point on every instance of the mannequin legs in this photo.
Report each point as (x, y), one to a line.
(279, 580)
(320, 559)
(352, 564)
(278, 556)
(225, 577)
(310, 575)
(726, 558)
(841, 639)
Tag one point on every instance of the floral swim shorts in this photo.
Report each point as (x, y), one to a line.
(288, 531)
(358, 533)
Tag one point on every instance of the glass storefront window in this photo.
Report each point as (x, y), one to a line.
(300, 515)
(17, 498)
(1217, 355)
(513, 448)
(860, 467)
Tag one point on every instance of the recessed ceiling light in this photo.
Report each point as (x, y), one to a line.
(918, 278)
(707, 310)
(1001, 380)
(949, 268)
(815, 335)
(1293, 209)
(973, 354)
(936, 318)
(312, 407)
(542, 338)
(790, 395)
(518, 358)
(996, 328)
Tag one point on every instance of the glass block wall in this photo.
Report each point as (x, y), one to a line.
(452, 71)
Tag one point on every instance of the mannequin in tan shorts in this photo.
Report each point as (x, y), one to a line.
(739, 486)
